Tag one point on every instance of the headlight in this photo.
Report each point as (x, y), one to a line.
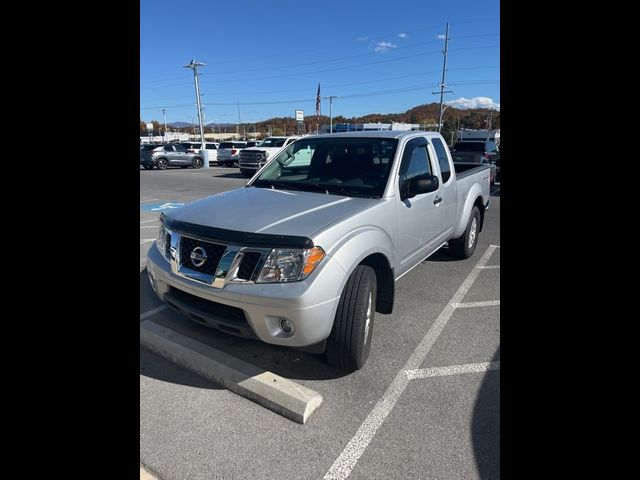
(162, 239)
(290, 265)
(266, 155)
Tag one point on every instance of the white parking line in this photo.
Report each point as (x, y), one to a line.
(149, 226)
(146, 240)
(489, 267)
(147, 221)
(150, 200)
(153, 311)
(452, 370)
(490, 303)
(347, 460)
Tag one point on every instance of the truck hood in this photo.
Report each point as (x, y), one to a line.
(263, 210)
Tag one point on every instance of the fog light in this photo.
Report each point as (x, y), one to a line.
(287, 326)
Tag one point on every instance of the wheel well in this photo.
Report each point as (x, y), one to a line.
(480, 204)
(385, 282)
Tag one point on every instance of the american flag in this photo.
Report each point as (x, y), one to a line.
(318, 102)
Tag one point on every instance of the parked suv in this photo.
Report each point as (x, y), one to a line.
(211, 150)
(487, 148)
(170, 156)
(229, 152)
(146, 150)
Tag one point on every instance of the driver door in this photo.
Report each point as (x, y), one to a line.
(421, 220)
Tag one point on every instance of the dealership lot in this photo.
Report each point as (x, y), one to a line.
(426, 405)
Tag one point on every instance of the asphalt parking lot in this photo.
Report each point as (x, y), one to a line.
(426, 404)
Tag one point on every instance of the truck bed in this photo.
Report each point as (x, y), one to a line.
(465, 169)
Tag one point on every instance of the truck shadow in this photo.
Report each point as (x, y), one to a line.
(156, 367)
(286, 362)
(485, 424)
(441, 255)
(229, 175)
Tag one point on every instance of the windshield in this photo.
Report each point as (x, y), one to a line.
(272, 142)
(357, 167)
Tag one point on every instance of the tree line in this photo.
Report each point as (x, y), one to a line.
(425, 115)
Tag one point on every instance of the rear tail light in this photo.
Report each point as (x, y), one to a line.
(234, 151)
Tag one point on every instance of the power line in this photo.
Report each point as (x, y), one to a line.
(308, 100)
(244, 94)
(346, 67)
(337, 59)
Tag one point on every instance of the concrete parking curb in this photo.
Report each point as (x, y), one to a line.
(144, 475)
(276, 393)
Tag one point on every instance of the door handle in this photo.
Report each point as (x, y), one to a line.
(437, 200)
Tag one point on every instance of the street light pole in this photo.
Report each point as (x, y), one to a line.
(331, 97)
(193, 65)
(441, 116)
(164, 114)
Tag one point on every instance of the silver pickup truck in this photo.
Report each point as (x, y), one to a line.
(310, 249)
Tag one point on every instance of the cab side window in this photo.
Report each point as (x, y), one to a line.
(443, 160)
(417, 163)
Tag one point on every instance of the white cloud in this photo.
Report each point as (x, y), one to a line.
(441, 37)
(475, 102)
(362, 39)
(384, 47)
(403, 35)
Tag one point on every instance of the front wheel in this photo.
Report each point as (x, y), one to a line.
(349, 343)
(464, 246)
(197, 162)
(162, 164)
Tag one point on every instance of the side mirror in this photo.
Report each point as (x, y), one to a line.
(417, 185)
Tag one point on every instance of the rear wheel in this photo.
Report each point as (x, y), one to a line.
(162, 164)
(147, 167)
(349, 343)
(464, 246)
(197, 162)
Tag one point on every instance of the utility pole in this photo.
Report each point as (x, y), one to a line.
(164, 114)
(331, 97)
(239, 122)
(489, 123)
(193, 65)
(444, 69)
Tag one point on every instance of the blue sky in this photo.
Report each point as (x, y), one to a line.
(376, 56)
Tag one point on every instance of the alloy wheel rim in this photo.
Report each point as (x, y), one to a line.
(368, 319)
(472, 233)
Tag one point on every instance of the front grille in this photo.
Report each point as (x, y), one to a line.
(213, 251)
(252, 156)
(248, 265)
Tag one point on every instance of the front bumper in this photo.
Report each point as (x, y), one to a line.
(309, 304)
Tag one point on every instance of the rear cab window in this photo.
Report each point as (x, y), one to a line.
(443, 159)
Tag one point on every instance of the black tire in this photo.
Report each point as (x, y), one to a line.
(197, 162)
(162, 163)
(147, 167)
(349, 343)
(460, 247)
